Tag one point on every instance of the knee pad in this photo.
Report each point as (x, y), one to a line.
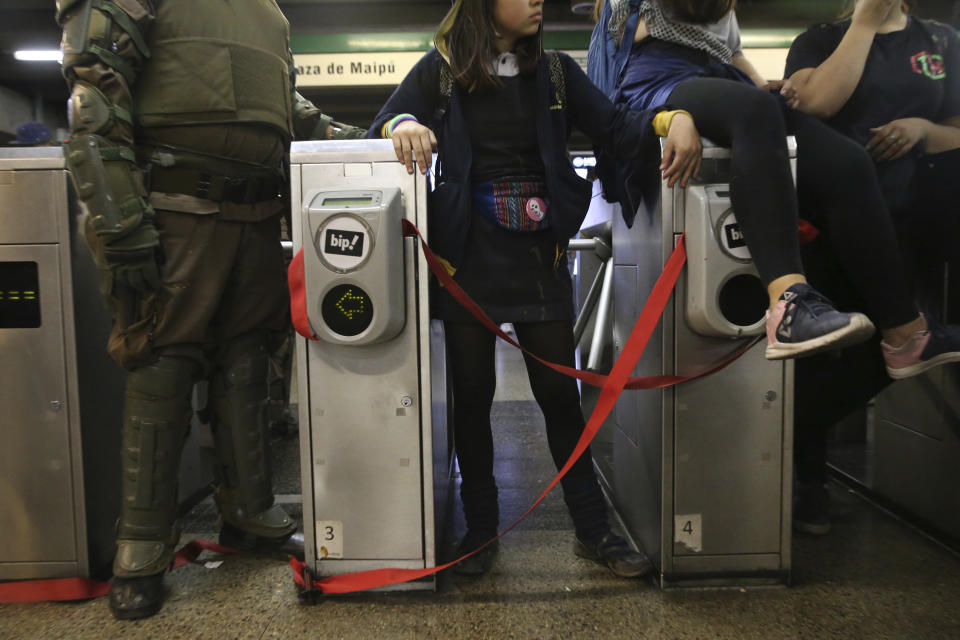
(239, 396)
(156, 421)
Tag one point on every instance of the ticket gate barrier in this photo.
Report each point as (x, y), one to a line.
(375, 455)
(61, 398)
(700, 473)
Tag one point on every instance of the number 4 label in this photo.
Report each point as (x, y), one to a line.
(329, 539)
(688, 532)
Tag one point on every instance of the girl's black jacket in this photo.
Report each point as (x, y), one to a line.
(624, 141)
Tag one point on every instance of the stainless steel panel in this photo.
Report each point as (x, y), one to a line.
(379, 464)
(719, 564)
(631, 404)
(718, 448)
(729, 449)
(916, 447)
(916, 403)
(438, 489)
(366, 452)
(30, 202)
(37, 485)
(14, 158)
(919, 474)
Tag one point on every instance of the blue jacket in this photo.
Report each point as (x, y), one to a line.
(624, 140)
(607, 58)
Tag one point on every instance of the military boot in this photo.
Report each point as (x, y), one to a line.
(239, 396)
(156, 420)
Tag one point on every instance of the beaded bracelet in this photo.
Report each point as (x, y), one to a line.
(390, 125)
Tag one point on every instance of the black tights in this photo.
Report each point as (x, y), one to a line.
(836, 184)
(471, 358)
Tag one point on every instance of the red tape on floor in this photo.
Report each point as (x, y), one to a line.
(611, 388)
(64, 589)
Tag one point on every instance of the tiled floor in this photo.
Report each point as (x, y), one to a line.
(871, 577)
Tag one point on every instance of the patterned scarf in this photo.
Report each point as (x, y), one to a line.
(665, 28)
(619, 12)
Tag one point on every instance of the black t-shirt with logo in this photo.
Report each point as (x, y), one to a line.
(911, 73)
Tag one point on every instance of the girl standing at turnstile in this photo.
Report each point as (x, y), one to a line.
(505, 203)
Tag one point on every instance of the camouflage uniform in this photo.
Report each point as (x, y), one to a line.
(181, 114)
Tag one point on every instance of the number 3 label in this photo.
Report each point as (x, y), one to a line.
(329, 537)
(688, 532)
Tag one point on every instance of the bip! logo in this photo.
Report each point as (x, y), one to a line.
(730, 237)
(344, 243)
(734, 236)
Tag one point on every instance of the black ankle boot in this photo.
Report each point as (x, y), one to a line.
(480, 562)
(136, 597)
(613, 552)
(281, 548)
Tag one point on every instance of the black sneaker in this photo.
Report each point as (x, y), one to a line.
(136, 597)
(480, 562)
(811, 509)
(613, 552)
(805, 322)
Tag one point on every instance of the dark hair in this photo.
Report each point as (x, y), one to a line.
(471, 43)
(699, 11)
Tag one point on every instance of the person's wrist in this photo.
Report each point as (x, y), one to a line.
(926, 128)
(391, 125)
(867, 21)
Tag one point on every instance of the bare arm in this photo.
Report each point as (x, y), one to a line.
(822, 91)
(943, 136)
(740, 62)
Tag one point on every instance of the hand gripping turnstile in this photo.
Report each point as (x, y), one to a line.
(375, 457)
(701, 472)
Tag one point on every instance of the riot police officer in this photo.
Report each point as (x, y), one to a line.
(181, 114)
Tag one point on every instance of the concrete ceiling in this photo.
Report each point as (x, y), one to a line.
(30, 24)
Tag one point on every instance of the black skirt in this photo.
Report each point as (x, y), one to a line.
(513, 276)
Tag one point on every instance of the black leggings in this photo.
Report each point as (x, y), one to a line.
(837, 189)
(471, 358)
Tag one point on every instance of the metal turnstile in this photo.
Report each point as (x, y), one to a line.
(375, 455)
(905, 454)
(700, 473)
(61, 397)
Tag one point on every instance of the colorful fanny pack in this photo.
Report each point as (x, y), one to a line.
(514, 204)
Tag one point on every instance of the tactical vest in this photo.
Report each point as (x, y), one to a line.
(216, 62)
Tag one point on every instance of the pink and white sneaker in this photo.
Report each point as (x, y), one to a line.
(924, 350)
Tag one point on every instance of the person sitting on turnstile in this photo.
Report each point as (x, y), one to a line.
(181, 114)
(506, 202)
(686, 53)
(890, 81)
